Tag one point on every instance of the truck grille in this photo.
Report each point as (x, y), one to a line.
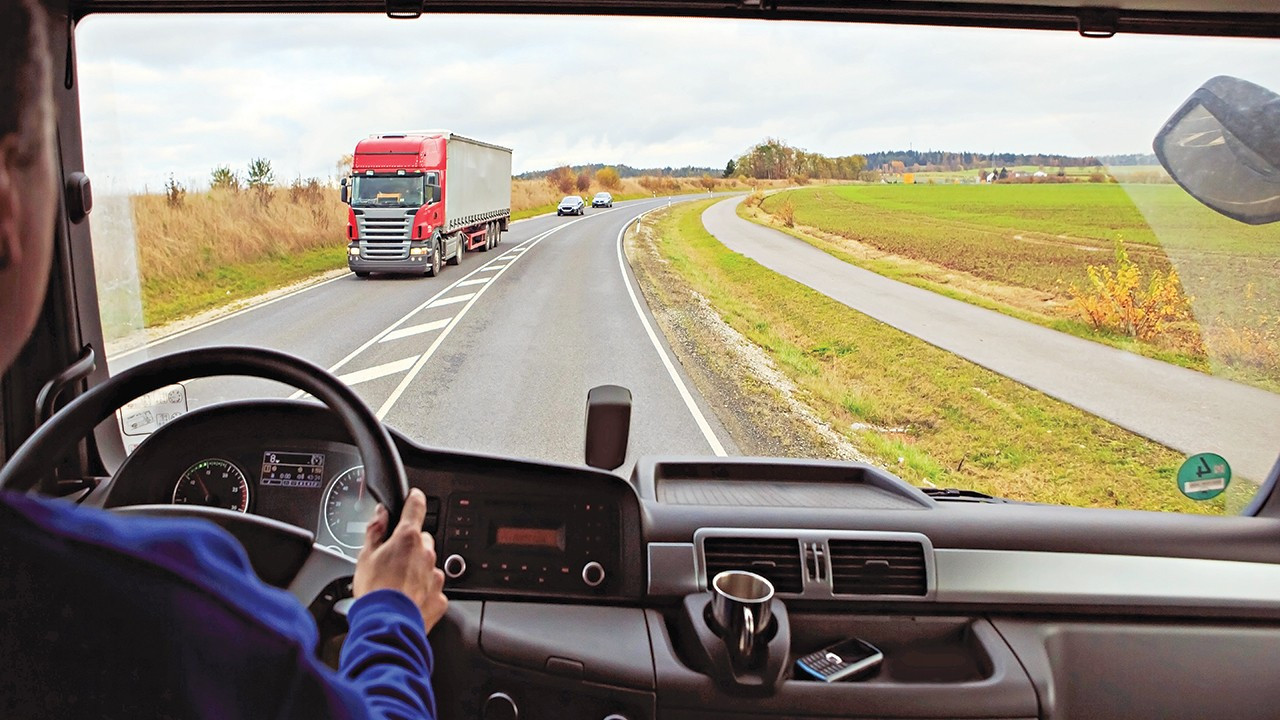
(384, 234)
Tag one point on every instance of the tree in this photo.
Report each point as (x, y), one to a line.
(344, 165)
(224, 178)
(583, 183)
(608, 179)
(261, 176)
(730, 168)
(708, 183)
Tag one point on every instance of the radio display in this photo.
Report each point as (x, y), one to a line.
(292, 469)
(529, 537)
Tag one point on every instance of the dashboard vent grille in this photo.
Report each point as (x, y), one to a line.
(877, 567)
(777, 559)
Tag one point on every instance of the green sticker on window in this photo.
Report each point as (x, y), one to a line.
(1204, 476)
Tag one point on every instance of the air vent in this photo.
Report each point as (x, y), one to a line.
(777, 559)
(873, 567)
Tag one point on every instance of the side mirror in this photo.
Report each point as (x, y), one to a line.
(608, 426)
(344, 190)
(1223, 147)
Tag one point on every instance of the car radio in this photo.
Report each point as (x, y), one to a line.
(523, 543)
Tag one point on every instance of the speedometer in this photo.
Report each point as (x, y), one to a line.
(348, 508)
(213, 483)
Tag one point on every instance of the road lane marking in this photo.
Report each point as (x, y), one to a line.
(393, 326)
(422, 361)
(452, 300)
(415, 330)
(477, 281)
(698, 417)
(486, 268)
(378, 371)
(228, 316)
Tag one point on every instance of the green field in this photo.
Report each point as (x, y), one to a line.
(925, 413)
(1020, 248)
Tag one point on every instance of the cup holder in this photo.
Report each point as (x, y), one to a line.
(703, 645)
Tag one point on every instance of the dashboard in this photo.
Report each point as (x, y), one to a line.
(578, 593)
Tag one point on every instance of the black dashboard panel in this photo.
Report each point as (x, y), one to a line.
(502, 527)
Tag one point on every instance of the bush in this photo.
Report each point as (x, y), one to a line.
(260, 173)
(562, 179)
(174, 192)
(583, 182)
(786, 213)
(708, 183)
(224, 178)
(608, 179)
(1116, 301)
(755, 198)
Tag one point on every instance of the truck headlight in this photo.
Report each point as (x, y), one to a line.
(418, 251)
(353, 251)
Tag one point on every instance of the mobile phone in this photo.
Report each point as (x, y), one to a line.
(843, 660)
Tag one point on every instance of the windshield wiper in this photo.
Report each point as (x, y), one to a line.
(958, 495)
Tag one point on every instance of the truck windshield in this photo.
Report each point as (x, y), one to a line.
(373, 191)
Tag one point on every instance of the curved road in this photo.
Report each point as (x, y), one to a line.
(495, 355)
(1182, 409)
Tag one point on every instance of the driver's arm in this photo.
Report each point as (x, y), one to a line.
(399, 595)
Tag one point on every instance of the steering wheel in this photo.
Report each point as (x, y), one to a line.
(383, 472)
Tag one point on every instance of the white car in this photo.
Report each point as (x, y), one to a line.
(602, 199)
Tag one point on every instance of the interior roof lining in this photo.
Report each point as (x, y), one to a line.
(1093, 21)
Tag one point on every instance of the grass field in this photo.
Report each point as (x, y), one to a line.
(924, 413)
(1020, 248)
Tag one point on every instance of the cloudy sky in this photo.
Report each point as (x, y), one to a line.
(182, 95)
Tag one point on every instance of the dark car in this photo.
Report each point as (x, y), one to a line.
(602, 199)
(571, 205)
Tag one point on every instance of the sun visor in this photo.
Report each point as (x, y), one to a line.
(1223, 147)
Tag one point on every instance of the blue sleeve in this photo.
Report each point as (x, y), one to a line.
(386, 661)
(387, 658)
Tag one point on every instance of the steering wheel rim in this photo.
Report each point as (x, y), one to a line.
(383, 471)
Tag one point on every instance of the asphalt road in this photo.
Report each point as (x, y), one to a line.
(1182, 409)
(495, 355)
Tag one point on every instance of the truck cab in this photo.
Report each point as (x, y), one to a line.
(396, 200)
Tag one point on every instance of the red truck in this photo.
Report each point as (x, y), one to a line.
(421, 199)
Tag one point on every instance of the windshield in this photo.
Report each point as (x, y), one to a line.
(950, 253)
(375, 191)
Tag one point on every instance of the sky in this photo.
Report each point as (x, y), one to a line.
(180, 95)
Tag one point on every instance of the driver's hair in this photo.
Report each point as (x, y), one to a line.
(24, 66)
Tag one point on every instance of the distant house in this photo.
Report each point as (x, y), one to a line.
(1040, 173)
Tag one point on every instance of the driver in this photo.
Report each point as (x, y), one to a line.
(103, 616)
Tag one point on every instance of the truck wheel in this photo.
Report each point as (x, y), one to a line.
(434, 268)
(457, 253)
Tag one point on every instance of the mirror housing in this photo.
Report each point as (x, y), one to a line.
(344, 190)
(1223, 147)
(608, 426)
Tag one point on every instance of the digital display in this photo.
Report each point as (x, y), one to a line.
(292, 469)
(529, 537)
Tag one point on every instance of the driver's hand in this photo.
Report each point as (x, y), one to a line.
(405, 562)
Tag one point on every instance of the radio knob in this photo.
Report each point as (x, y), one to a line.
(455, 566)
(593, 574)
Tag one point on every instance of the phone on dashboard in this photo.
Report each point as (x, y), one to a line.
(847, 659)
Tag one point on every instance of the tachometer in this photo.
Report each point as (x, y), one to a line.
(213, 483)
(348, 508)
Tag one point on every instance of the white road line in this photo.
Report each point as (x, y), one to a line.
(452, 300)
(392, 327)
(491, 267)
(501, 259)
(477, 281)
(377, 371)
(415, 330)
(219, 319)
(422, 361)
(698, 417)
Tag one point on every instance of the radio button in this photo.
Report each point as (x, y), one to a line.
(593, 574)
(458, 519)
(460, 533)
(455, 566)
